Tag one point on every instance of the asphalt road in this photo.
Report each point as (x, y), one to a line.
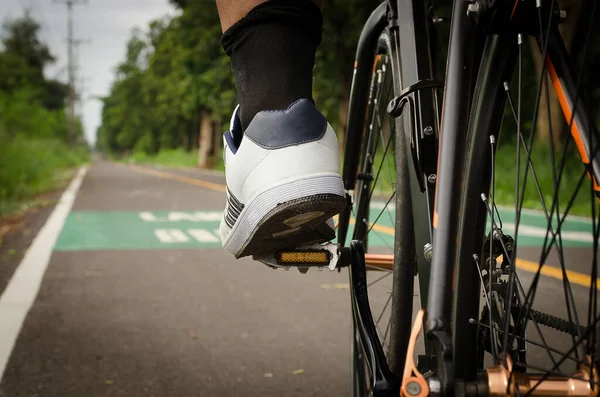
(140, 300)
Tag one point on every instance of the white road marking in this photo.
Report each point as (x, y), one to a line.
(171, 236)
(147, 217)
(192, 216)
(526, 230)
(203, 236)
(19, 295)
(197, 216)
(536, 231)
(570, 218)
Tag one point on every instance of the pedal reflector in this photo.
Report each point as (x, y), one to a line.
(290, 258)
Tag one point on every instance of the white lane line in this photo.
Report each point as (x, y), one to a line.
(25, 283)
(203, 236)
(171, 236)
(535, 231)
(570, 218)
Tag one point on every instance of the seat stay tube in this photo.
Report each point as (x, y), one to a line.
(422, 126)
(460, 77)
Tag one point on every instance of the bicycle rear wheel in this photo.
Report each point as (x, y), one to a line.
(526, 284)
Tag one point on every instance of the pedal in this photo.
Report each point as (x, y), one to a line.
(305, 257)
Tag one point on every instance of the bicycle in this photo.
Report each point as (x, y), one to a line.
(445, 227)
(441, 202)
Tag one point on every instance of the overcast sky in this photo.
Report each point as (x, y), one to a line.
(106, 23)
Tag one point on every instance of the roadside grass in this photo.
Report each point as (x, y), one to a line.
(175, 158)
(32, 166)
(166, 157)
(506, 165)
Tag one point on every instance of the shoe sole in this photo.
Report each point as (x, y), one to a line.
(295, 223)
(287, 216)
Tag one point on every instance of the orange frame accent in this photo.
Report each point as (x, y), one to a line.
(568, 113)
(564, 104)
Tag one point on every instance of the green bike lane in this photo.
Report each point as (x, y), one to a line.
(185, 229)
(87, 229)
(139, 299)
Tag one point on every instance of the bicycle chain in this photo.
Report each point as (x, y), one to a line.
(551, 321)
(557, 323)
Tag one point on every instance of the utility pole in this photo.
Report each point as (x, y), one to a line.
(79, 85)
(71, 42)
(82, 88)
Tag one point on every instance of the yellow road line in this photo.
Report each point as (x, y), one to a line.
(185, 179)
(528, 266)
(554, 272)
(522, 264)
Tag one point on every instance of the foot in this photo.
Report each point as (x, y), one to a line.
(283, 181)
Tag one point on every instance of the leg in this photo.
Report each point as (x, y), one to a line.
(281, 155)
(231, 11)
(272, 47)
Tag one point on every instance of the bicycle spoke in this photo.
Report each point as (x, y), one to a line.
(386, 158)
(493, 330)
(387, 331)
(521, 291)
(379, 169)
(387, 146)
(555, 209)
(379, 279)
(389, 299)
(593, 292)
(382, 238)
(381, 212)
(509, 294)
(377, 268)
(489, 305)
(520, 198)
(383, 335)
(512, 271)
(569, 300)
(564, 358)
(530, 341)
(571, 202)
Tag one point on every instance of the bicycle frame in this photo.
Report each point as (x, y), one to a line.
(444, 181)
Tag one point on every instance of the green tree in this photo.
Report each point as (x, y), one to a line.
(172, 77)
(23, 60)
(33, 122)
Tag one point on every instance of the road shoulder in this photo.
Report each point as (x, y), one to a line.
(17, 232)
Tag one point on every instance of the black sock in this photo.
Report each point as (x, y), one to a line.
(272, 52)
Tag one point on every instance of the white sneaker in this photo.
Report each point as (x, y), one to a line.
(283, 181)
